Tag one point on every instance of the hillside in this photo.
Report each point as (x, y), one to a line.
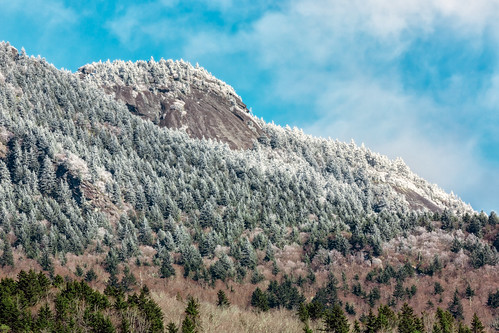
(155, 173)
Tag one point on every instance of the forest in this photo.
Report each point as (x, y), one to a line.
(325, 230)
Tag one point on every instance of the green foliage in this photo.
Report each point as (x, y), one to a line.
(336, 321)
(373, 296)
(357, 289)
(476, 325)
(437, 288)
(493, 299)
(256, 277)
(399, 292)
(7, 258)
(470, 292)
(19, 298)
(444, 322)
(259, 300)
(350, 309)
(387, 319)
(79, 271)
(455, 306)
(166, 270)
(90, 275)
(188, 325)
(371, 323)
(302, 313)
(222, 300)
(408, 322)
(191, 321)
(171, 328)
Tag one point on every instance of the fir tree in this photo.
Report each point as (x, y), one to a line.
(222, 301)
(476, 325)
(171, 328)
(166, 270)
(455, 306)
(46, 181)
(259, 300)
(7, 258)
(408, 322)
(336, 321)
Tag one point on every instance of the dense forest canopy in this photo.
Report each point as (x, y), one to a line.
(79, 173)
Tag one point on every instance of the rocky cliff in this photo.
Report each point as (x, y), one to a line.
(175, 94)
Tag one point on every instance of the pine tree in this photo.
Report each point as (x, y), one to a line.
(455, 306)
(191, 321)
(438, 289)
(408, 322)
(222, 301)
(46, 181)
(336, 321)
(398, 292)
(469, 291)
(462, 328)
(171, 328)
(7, 258)
(248, 255)
(444, 322)
(166, 270)
(188, 326)
(371, 323)
(387, 319)
(259, 300)
(476, 325)
(356, 327)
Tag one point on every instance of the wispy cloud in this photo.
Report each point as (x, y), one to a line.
(51, 12)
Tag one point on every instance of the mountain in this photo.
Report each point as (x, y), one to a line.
(177, 95)
(154, 171)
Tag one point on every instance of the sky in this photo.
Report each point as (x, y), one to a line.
(416, 79)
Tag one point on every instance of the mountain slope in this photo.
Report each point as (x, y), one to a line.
(177, 95)
(84, 180)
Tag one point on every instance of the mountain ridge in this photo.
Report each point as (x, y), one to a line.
(177, 82)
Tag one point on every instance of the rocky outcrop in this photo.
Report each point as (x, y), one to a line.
(175, 94)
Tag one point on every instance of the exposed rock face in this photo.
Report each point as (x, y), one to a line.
(178, 95)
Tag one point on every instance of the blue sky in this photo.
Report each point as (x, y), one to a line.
(417, 79)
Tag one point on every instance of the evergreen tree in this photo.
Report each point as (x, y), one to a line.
(248, 255)
(455, 306)
(222, 301)
(476, 325)
(493, 299)
(470, 292)
(444, 322)
(166, 270)
(371, 323)
(356, 326)
(191, 321)
(7, 258)
(336, 321)
(438, 289)
(171, 328)
(188, 325)
(398, 292)
(259, 300)
(46, 181)
(90, 275)
(408, 322)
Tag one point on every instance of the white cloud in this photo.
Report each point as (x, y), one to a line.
(51, 12)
